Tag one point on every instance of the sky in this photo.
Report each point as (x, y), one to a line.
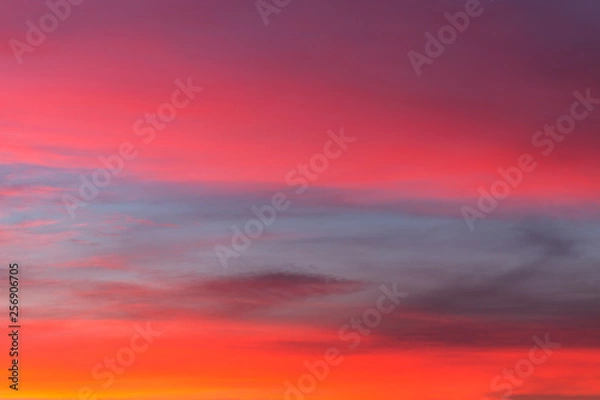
(296, 200)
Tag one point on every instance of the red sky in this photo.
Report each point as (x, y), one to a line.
(388, 210)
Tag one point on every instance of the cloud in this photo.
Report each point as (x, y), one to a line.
(230, 297)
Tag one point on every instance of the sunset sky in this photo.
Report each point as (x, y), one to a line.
(381, 169)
